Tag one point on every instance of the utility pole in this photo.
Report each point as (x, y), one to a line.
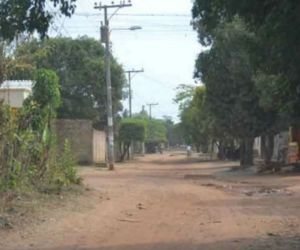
(105, 38)
(130, 72)
(150, 108)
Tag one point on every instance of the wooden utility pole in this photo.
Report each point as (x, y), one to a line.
(150, 108)
(130, 72)
(105, 38)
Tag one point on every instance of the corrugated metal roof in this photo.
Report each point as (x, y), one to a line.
(16, 84)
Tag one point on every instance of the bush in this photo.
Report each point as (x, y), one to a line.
(24, 161)
(67, 165)
(28, 155)
(131, 130)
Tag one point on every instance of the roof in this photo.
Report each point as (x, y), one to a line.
(17, 84)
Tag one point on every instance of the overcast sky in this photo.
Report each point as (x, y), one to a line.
(166, 47)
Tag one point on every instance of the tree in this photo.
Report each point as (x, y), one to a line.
(79, 63)
(156, 134)
(131, 130)
(46, 90)
(275, 24)
(194, 117)
(172, 138)
(232, 99)
(30, 16)
(156, 131)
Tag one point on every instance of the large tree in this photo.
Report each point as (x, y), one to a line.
(276, 25)
(79, 63)
(231, 96)
(18, 16)
(194, 117)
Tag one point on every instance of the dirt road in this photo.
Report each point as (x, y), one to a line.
(166, 202)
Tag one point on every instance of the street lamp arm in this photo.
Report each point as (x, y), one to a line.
(132, 28)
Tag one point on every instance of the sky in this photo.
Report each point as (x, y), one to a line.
(166, 47)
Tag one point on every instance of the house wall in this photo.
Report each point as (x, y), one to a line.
(80, 134)
(14, 97)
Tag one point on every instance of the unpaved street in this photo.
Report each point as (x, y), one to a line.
(169, 202)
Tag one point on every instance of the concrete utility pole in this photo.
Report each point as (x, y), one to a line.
(105, 38)
(150, 108)
(130, 72)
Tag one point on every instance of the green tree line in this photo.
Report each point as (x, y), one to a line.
(250, 75)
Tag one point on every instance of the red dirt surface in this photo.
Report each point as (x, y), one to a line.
(169, 202)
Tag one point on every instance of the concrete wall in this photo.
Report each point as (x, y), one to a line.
(80, 135)
(99, 146)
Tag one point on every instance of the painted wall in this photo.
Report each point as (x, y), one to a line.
(14, 97)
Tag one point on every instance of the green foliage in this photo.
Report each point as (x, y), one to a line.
(132, 130)
(227, 73)
(194, 120)
(275, 25)
(64, 173)
(46, 90)
(27, 147)
(68, 163)
(20, 152)
(184, 96)
(231, 95)
(79, 64)
(156, 131)
(173, 137)
(29, 16)
(254, 56)
(19, 70)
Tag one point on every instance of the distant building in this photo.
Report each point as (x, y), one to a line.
(13, 93)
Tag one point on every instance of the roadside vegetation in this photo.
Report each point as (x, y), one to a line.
(29, 156)
(141, 129)
(250, 75)
(30, 163)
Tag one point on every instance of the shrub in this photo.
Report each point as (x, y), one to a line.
(28, 155)
(131, 130)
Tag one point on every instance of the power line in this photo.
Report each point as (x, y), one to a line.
(87, 14)
(144, 31)
(148, 25)
(158, 82)
(62, 25)
(130, 76)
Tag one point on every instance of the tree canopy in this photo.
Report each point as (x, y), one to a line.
(30, 16)
(236, 104)
(132, 130)
(276, 26)
(79, 63)
(156, 131)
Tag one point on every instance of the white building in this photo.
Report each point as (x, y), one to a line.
(13, 93)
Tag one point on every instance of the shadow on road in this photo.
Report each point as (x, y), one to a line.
(271, 241)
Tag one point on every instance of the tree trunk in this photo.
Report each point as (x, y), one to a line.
(221, 153)
(267, 148)
(126, 147)
(212, 149)
(246, 151)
